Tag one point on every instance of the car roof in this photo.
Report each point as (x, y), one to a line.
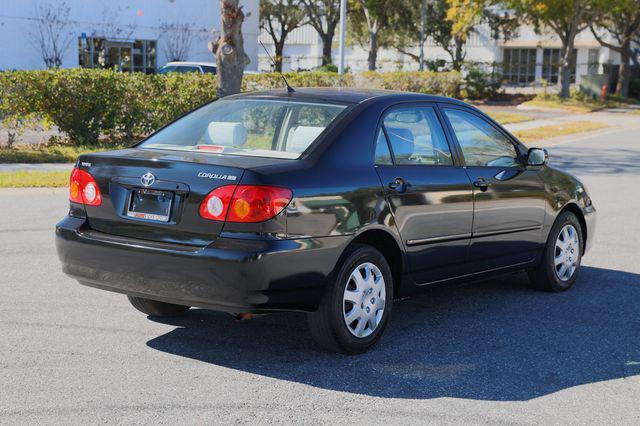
(189, 63)
(346, 95)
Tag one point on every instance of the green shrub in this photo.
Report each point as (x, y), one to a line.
(88, 104)
(17, 97)
(268, 81)
(328, 68)
(434, 83)
(481, 84)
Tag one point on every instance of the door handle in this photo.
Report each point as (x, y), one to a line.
(481, 183)
(399, 185)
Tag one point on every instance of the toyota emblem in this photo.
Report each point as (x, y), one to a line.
(148, 179)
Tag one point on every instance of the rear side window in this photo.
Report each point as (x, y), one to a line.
(252, 127)
(383, 155)
(481, 143)
(416, 137)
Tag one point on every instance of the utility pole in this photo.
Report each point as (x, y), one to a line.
(343, 34)
(423, 25)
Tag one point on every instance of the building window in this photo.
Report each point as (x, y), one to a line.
(594, 62)
(519, 65)
(551, 65)
(125, 56)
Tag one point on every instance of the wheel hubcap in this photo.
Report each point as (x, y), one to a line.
(567, 253)
(364, 300)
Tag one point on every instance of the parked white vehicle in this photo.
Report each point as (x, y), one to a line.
(184, 67)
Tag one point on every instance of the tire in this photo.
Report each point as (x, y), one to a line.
(328, 325)
(548, 275)
(155, 308)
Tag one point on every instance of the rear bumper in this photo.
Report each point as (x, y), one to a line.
(234, 275)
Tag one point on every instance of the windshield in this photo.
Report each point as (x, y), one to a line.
(255, 127)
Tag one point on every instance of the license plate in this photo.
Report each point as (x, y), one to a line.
(150, 204)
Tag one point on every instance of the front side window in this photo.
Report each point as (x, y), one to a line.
(250, 127)
(416, 137)
(481, 143)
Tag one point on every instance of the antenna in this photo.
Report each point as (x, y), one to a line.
(289, 88)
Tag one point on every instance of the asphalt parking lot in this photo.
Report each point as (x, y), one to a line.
(489, 352)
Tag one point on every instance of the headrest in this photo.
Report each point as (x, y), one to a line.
(402, 141)
(225, 134)
(302, 137)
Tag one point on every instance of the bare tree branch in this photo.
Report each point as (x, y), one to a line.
(113, 28)
(51, 35)
(179, 38)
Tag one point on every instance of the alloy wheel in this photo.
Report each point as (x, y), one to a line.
(567, 252)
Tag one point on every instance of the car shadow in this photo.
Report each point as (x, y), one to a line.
(493, 340)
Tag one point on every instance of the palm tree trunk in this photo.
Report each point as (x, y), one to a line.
(230, 55)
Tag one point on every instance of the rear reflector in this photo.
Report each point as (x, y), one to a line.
(245, 203)
(84, 189)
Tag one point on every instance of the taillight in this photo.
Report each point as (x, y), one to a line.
(245, 203)
(216, 203)
(84, 189)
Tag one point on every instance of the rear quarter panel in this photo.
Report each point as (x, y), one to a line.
(336, 190)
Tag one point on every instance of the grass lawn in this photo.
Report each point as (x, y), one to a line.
(50, 154)
(545, 132)
(34, 179)
(575, 105)
(507, 117)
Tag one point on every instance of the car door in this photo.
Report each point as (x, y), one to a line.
(509, 206)
(428, 191)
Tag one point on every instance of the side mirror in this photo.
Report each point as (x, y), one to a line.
(537, 157)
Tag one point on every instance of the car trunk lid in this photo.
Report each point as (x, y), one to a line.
(155, 195)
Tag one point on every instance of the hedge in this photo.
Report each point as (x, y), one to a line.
(86, 104)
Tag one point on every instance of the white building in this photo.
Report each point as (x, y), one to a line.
(525, 60)
(125, 34)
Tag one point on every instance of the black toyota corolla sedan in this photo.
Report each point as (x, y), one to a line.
(331, 202)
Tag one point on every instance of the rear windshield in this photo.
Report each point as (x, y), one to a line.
(252, 127)
(181, 69)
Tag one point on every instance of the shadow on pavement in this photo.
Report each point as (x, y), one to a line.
(493, 340)
(599, 161)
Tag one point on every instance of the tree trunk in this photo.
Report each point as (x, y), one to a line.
(279, 46)
(564, 71)
(230, 55)
(373, 50)
(459, 57)
(327, 40)
(622, 88)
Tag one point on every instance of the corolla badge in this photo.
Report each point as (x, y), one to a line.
(216, 176)
(148, 179)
